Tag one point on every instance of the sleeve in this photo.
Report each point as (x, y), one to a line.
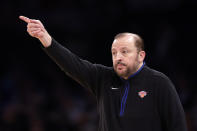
(170, 108)
(82, 71)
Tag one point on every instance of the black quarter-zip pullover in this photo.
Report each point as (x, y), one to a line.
(147, 101)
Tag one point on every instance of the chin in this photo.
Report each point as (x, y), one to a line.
(121, 73)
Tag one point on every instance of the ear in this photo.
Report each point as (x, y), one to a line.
(142, 55)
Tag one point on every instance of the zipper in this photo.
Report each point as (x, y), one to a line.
(124, 98)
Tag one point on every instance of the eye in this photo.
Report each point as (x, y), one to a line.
(113, 53)
(124, 51)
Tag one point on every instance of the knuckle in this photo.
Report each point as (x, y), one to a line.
(29, 25)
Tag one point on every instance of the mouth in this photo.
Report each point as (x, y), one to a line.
(120, 66)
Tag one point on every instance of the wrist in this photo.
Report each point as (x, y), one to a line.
(46, 40)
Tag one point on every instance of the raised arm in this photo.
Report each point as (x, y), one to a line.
(87, 74)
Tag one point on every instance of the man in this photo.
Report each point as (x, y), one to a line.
(130, 96)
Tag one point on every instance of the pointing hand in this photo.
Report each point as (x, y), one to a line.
(36, 29)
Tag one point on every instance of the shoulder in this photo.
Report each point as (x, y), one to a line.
(103, 68)
(107, 73)
(155, 74)
(104, 71)
(159, 78)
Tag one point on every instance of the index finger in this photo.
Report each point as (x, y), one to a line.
(26, 19)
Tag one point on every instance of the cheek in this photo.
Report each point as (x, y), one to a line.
(138, 58)
(132, 60)
(113, 61)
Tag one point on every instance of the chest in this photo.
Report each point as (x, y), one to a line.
(134, 99)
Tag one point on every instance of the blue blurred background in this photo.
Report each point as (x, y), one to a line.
(35, 95)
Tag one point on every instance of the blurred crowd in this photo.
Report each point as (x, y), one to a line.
(35, 95)
(44, 103)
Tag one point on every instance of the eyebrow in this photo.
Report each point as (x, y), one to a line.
(124, 48)
(120, 48)
(112, 49)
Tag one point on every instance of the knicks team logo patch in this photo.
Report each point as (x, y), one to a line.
(142, 94)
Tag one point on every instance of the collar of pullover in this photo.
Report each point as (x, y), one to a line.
(134, 74)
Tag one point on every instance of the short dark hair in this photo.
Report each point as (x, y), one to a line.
(139, 43)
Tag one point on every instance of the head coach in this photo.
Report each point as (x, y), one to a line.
(130, 95)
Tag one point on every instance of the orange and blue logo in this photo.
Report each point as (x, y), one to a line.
(142, 94)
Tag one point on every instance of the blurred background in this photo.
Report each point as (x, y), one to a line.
(35, 95)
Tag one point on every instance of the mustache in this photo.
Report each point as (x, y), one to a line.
(120, 63)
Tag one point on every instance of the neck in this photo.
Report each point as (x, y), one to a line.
(138, 68)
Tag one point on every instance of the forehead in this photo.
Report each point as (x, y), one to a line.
(124, 42)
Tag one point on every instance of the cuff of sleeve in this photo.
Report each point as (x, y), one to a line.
(51, 46)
